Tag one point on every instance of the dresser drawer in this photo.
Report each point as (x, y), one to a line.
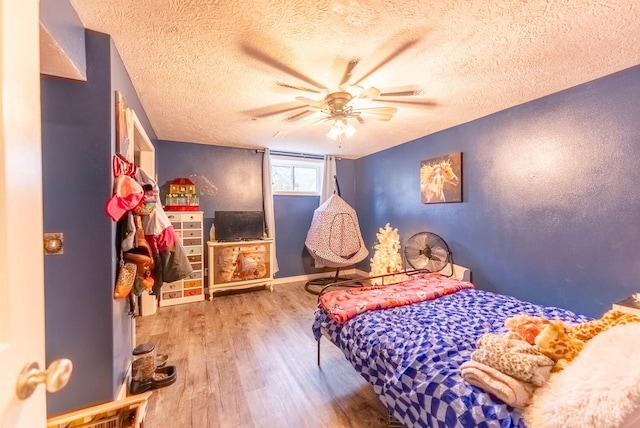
(174, 217)
(193, 283)
(192, 233)
(187, 242)
(197, 217)
(172, 286)
(196, 258)
(192, 292)
(194, 275)
(191, 225)
(196, 266)
(190, 251)
(176, 225)
(172, 295)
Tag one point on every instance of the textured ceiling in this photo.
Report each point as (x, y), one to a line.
(214, 71)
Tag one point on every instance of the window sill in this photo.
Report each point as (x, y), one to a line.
(281, 193)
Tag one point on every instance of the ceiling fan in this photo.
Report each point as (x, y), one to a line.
(340, 106)
(350, 101)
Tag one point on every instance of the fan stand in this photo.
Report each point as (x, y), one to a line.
(323, 282)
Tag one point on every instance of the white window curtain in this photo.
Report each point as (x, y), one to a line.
(328, 180)
(267, 195)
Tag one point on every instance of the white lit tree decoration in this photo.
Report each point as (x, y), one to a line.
(386, 258)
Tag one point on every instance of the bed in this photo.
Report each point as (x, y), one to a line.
(412, 354)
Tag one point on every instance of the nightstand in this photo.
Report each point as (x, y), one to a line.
(629, 305)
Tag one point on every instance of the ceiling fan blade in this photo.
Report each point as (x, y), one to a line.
(299, 88)
(274, 63)
(370, 93)
(411, 102)
(383, 117)
(300, 115)
(347, 72)
(308, 102)
(310, 119)
(388, 59)
(409, 93)
(353, 115)
(275, 109)
(378, 110)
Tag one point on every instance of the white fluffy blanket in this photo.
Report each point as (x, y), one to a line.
(599, 389)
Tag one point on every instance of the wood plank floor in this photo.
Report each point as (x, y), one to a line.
(249, 360)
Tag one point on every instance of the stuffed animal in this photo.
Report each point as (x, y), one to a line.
(588, 330)
(526, 326)
(555, 342)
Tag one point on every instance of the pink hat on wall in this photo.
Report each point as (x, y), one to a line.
(128, 194)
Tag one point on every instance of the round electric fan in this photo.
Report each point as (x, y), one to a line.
(428, 251)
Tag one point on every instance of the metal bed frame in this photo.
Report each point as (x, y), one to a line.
(392, 422)
(361, 282)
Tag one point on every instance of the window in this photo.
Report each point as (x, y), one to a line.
(296, 176)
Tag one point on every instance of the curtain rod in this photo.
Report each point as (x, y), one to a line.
(296, 155)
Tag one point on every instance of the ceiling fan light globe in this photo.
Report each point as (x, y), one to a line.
(334, 133)
(349, 130)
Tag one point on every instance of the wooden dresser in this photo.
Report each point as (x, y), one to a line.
(188, 227)
(240, 264)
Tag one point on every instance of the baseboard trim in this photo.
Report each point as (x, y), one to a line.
(362, 273)
(124, 387)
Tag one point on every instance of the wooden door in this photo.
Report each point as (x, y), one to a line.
(22, 339)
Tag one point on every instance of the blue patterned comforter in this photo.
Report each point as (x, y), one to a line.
(411, 355)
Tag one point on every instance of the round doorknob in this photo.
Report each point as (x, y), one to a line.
(55, 377)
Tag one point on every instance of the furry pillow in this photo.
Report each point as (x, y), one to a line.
(600, 388)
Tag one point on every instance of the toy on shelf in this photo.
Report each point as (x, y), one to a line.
(182, 196)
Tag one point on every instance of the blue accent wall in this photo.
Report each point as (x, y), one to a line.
(76, 147)
(83, 321)
(550, 211)
(121, 82)
(121, 319)
(237, 173)
(293, 217)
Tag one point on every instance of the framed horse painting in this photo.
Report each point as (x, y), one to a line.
(441, 179)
